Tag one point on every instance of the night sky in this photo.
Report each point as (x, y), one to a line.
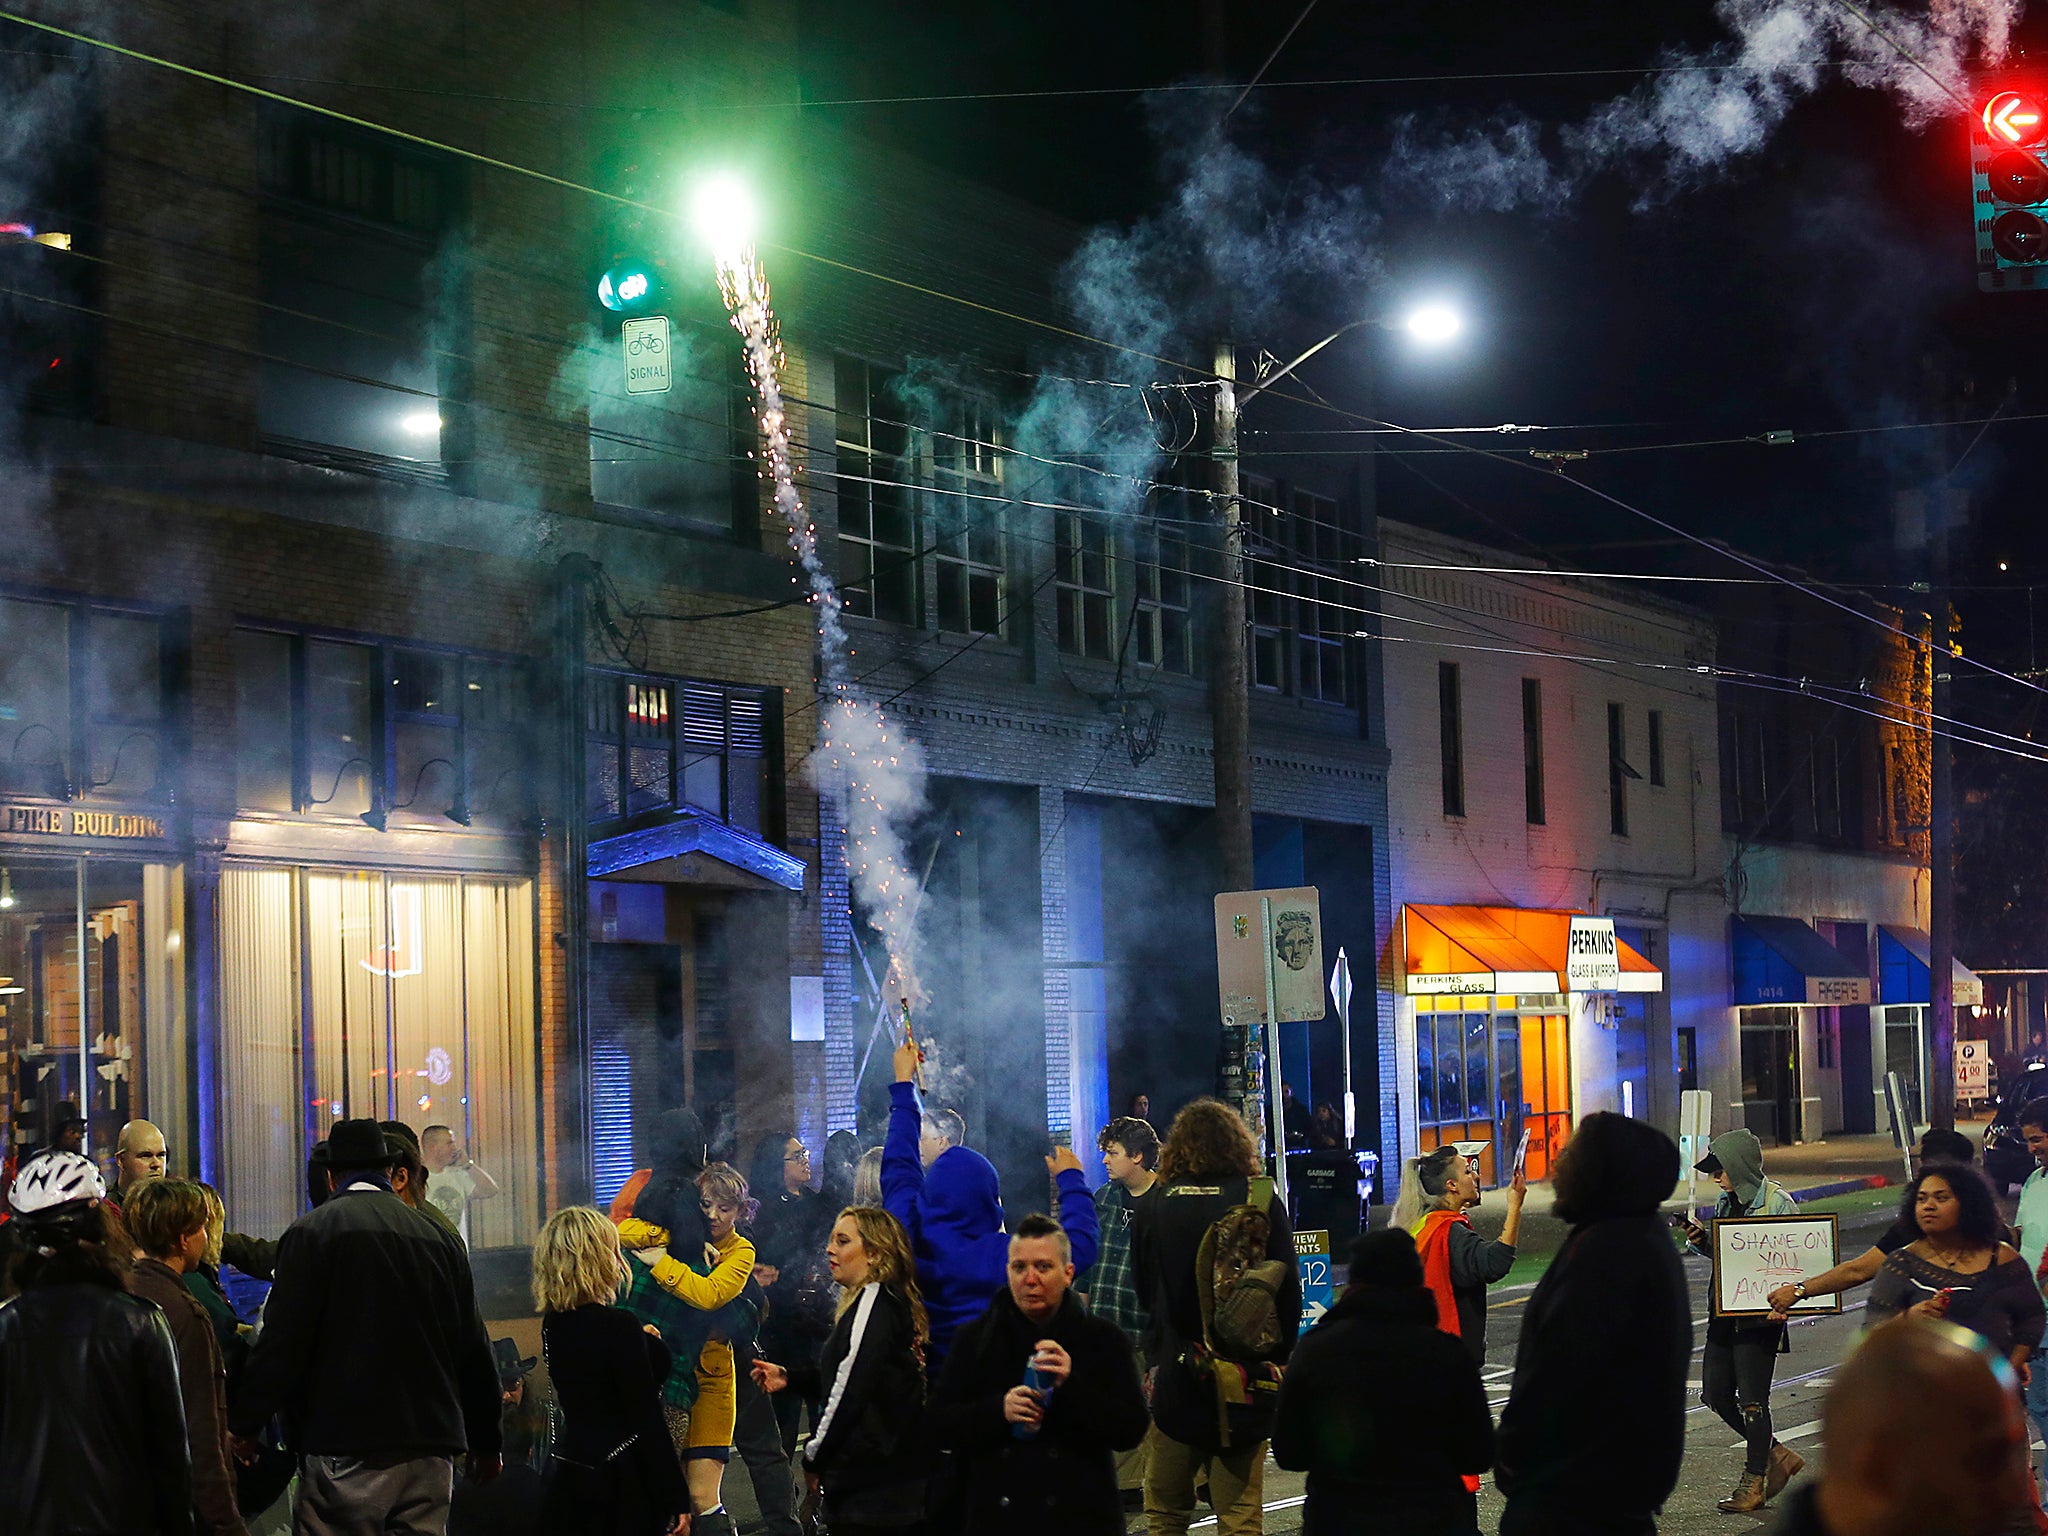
(1824, 284)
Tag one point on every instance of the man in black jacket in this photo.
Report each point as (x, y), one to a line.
(1040, 1459)
(1606, 1341)
(373, 1350)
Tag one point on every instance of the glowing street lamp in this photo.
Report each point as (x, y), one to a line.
(1433, 324)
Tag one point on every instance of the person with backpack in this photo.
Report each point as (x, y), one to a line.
(1213, 1255)
(1458, 1264)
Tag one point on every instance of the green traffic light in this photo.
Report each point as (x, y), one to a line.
(624, 288)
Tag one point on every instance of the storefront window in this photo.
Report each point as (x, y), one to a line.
(401, 997)
(1486, 1068)
(92, 998)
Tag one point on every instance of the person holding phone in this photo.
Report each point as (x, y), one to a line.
(1458, 1264)
(1742, 1352)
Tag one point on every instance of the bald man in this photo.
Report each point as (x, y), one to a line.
(1925, 1437)
(139, 1156)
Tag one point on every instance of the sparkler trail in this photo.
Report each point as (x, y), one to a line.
(874, 770)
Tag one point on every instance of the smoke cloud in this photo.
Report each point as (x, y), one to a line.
(1706, 111)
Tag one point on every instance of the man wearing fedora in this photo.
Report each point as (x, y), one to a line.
(374, 1352)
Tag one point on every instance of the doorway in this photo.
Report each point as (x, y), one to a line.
(1542, 1045)
(1770, 1073)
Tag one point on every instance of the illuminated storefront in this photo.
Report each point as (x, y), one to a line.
(1498, 1011)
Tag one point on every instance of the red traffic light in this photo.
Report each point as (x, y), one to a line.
(2015, 118)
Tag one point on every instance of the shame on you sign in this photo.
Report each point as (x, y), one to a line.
(1755, 1255)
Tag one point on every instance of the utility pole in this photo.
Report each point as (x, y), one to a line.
(1941, 832)
(1229, 685)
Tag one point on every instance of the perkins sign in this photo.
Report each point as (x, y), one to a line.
(1592, 962)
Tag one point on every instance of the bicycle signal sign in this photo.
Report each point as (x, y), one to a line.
(645, 346)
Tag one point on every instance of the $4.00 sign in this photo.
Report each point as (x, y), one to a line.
(1754, 1255)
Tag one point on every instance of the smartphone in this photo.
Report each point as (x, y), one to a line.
(1522, 1151)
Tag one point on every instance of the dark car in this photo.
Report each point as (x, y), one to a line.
(2007, 1162)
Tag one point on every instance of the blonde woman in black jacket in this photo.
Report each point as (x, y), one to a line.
(864, 1455)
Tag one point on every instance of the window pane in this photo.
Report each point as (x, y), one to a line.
(1425, 1070)
(262, 1124)
(1450, 1064)
(424, 683)
(429, 776)
(263, 721)
(341, 753)
(503, 1131)
(35, 696)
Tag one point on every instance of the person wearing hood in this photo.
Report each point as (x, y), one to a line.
(953, 1212)
(1458, 1264)
(1382, 1409)
(1607, 1341)
(1742, 1352)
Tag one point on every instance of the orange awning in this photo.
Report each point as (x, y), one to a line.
(1461, 949)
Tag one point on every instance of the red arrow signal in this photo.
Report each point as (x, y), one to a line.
(2013, 118)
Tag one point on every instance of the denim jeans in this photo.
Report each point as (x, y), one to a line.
(1736, 1384)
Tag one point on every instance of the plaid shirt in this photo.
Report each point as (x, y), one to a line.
(1111, 1287)
(684, 1329)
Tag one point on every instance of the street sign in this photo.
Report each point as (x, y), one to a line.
(1318, 1292)
(1288, 959)
(644, 345)
(1695, 1131)
(1973, 1069)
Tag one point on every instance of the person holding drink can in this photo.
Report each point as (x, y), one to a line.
(1037, 1397)
(1960, 1268)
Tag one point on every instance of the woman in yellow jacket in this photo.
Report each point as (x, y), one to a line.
(703, 1431)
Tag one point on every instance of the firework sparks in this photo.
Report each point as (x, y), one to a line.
(873, 770)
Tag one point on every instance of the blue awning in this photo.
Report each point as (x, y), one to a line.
(665, 853)
(1780, 960)
(1904, 961)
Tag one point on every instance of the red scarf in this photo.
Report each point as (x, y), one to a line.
(1433, 1243)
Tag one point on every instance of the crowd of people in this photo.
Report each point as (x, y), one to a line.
(889, 1350)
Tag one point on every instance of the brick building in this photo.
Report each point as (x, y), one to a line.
(400, 718)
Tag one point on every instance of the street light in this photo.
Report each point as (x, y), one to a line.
(1430, 324)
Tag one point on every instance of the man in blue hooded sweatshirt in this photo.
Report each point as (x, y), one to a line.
(953, 1212)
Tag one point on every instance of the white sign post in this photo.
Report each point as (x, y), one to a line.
(1900, 1107)
(1695, 1131)
(1340, 994)
(644, 346)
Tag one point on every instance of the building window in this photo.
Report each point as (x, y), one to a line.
(82, 701)
(877, 519)
(1532, 750)
(1324, 548)
(381, 731)
(968, 567)
(1086, 594)
(1901, 797)
(1746, 783)
(1618, 771)
(661, 744)
(1656, 747)
(1268, 574)
(1451, 737)
(1824, 757)
(353, 329)
(1165, 620)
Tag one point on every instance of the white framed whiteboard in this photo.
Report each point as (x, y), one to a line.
(1754, 1255)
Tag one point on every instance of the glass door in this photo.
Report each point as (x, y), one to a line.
(1546, 1088)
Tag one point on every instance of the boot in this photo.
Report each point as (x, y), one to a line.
(1786, 1464)
(1747, 1498)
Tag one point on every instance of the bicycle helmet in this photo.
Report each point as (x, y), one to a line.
(55, 1186)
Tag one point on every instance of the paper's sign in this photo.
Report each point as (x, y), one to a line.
(1755, 1255)
(1592, 961)
(1296, 955)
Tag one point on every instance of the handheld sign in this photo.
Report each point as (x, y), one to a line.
(1754, 1255)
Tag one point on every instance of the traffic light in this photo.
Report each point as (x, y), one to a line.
(2009, 173)
(629, 288)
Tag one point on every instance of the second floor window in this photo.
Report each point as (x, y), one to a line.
(1087, 595)
(877, 520)
(1532, 750)
(1618, 771)
(381, 730)
(82, 713)
(1450, 723)
(356, 345)
(665, 744)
